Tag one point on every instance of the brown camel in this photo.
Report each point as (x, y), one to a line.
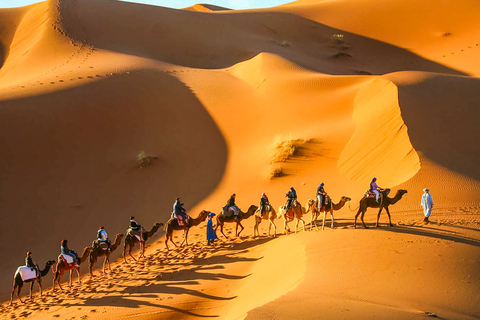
(18, 282)
(372, 203)
(62, 266)
(269, 214)
(312, 204)
(172, 224)
(130, 241)
(295, 211)
(221, 219)
(103, 251)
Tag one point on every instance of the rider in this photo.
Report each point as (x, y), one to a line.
(263, 203)
(179, 212)
(232, 206)
(135, 226)
(101, 237)
(375, 188)
(66, 251)
(320, 195)
(29, 262)
(291, 196)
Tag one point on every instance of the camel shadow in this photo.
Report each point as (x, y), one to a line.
(432, 233)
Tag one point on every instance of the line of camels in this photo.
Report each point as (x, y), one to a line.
(296, 211)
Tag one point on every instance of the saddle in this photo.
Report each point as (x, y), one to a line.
(103, 245)
(227, 212)
(26, 273)
(135, 233)
(68, 259)
(370, 194)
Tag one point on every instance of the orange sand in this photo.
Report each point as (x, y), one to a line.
(362, 89)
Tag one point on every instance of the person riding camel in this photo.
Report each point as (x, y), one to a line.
(232, 206)
(30, 263)
(263, 203)
(180, 213)
(375, 188)
(137, 231)
(68, 252)
(321, 196)
(101, 237)
(291, 197)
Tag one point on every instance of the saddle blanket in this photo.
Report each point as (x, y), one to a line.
(103, 245)
(134, 233)
(26, 273)
(68, 259)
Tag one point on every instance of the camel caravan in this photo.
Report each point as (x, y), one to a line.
(69, 260)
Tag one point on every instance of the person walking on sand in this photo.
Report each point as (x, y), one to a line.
(211, 234)
(427, 204)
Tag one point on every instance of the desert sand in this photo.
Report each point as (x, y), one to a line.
(110, 109)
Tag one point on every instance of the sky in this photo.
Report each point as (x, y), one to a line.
(232, 4)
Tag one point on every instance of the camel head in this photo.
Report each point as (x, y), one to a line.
(281, 211)
(346, 199)
(402, 191)
(50, 263)
(251, 210)
(203, 215)
(310, 204)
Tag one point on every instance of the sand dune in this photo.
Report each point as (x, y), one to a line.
(110, 109)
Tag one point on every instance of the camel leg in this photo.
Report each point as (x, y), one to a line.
(378, 216)
(356, 216)
(324, 216)
(255, 228)
(287, 228)
(18, 294)
(185, 237)
(221, 230)
(389, 217)
(142, 249)
(331, 214)
(303, 222)
(124, 251)
(130, 251)
(40, 285)
(71, 277)
(239, 224)
(361, 217)
(296, 225)
(78, 273)
(31, 289)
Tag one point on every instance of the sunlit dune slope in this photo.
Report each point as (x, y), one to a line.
(444, 32)
(203, 7)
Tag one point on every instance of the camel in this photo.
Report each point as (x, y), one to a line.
(18, 282)
(62, 266)
(221, 219)
(312, 204)
(295, 211)
(269, 214)
(97, 251)
(130, 241)
(372, 203)
(172, 224)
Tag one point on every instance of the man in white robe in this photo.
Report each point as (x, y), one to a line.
(427, 204)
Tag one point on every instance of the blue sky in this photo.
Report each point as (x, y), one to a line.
(233, 4)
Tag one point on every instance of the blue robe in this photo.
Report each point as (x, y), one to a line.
(211, 235)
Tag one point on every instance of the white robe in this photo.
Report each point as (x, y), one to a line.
(427, 204)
